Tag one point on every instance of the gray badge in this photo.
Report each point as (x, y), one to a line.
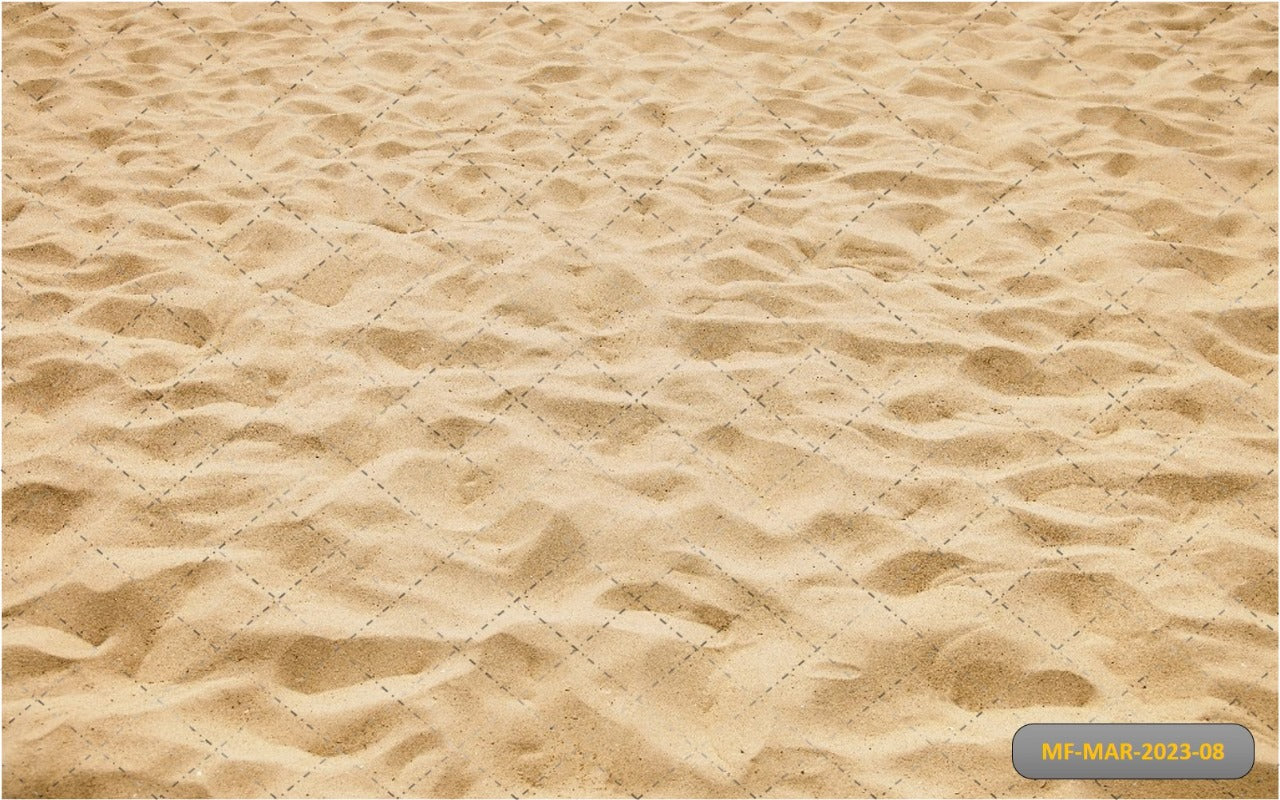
(1133, 750)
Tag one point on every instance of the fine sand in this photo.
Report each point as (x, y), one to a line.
(527, 400)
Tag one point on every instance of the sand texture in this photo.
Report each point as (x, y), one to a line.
(632, 400)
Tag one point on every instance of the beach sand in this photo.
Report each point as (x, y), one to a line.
(623, 400)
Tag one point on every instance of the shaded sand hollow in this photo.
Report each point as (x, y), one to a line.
(526, 400)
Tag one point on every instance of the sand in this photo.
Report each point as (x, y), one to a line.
(534, 400)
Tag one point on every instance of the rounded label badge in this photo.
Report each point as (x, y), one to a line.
(1150, 751)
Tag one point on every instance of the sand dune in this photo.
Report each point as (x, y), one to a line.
(623, 400)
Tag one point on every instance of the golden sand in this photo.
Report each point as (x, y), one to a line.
(526, 400)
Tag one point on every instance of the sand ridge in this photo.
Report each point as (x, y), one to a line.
(632, 399)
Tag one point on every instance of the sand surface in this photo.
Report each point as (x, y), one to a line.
(526, 400)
